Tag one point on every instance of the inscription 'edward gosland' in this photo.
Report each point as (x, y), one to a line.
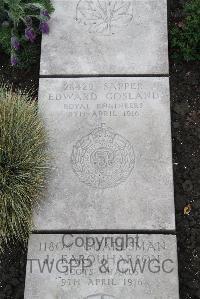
(91, 96)
(112, 91)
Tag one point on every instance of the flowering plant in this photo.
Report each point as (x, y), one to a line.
(21, 21)
(185, 34)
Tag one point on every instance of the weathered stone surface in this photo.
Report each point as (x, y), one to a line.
(106, 37)
(110, 143)
(102, 267)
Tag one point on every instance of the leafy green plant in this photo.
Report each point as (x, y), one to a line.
(185, 35)
(23, 163)
(20, 23)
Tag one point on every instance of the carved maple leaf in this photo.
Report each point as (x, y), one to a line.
(104, 16)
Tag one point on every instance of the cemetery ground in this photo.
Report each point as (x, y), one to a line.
(185, 110)
(185, 91)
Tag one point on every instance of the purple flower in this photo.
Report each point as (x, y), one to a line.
(44, 27)
(44, 13)
(15, 43)
(14, 59)
(30, 34)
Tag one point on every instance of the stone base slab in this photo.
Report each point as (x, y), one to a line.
(102, 266)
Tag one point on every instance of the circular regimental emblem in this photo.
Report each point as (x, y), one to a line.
(103, 159)
(105, 16)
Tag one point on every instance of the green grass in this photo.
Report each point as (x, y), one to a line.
(23, 163)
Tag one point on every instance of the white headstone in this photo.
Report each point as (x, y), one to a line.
(106, 37)
(110, 145)
(102, 267)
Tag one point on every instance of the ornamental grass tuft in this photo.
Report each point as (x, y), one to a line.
(23, 164)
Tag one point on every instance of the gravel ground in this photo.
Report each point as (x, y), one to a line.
(12, 273)
(185, 105)
(185, 109)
